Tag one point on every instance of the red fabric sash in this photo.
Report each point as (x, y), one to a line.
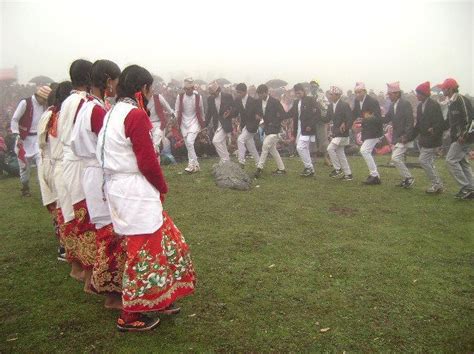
(160, 112)
(27, 119)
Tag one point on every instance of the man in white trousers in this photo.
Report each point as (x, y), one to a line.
(305, 114)
(24, 126)
(270, 110)
(189, 110)
(367, 111)
(245, 106)
(158, 108)
(339, 112)
(400, 114)
(220, 111)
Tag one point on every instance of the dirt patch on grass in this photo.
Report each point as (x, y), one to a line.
(342, 211)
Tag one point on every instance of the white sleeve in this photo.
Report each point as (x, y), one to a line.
(176, 106)
(202, 106)
(20, 110)
(165, 104)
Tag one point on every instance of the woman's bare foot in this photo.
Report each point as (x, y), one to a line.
(87, 281)
(76, 271)
(113, 302)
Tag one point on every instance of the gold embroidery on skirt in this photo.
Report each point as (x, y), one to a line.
(80, 214)
(87, 248)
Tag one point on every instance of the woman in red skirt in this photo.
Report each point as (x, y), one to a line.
(158, 268)
(107, 271)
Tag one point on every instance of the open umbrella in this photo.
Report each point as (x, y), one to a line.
(200, 82)
(276, 83)
(41, 80)
(223, 81)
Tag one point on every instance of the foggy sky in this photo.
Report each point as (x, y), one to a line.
(251, 41)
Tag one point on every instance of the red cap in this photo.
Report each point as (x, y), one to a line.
(424, 88)
(449, 84)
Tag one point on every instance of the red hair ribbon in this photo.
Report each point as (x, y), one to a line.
(139, 99)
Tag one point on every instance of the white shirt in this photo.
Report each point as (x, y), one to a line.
(189, 123)
(151, 107)
(244, 100)
(395, 105)
(453, 98)
(217, 101)
(67, 116)
(311, 138)
(264, 104)
(423, 105)
(30, 143)
(132, 199)
(334, 106)
(38, 111)
(361, 103)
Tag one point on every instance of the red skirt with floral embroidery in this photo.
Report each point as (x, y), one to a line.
(109, 263)
(158, 269)
(67, 235)
(80, 241)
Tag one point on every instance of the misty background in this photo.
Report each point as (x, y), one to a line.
(336, 42)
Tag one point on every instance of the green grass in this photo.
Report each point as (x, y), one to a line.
(385, 269)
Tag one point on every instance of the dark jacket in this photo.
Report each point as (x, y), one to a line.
(402, 121)
(343, 114)
(432, 117)
(372, 128)
(460, 117)
(213, 117)
(310, 114)
(247, 114)
(273, 115)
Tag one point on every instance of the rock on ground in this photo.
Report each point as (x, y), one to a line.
(230, 175)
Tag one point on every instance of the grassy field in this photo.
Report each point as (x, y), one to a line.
(292, 265)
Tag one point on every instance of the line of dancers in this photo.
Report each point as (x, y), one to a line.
(101, 179)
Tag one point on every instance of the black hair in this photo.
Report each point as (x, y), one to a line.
(262, 89)
(131, 81)
(101, 71)
(298, 87)
(52, 96)
(61, 93)
(241, 87)
(80, 73)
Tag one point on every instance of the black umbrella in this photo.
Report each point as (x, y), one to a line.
(41, 80)
(200, 82)
(223, 81)
(276, 83)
